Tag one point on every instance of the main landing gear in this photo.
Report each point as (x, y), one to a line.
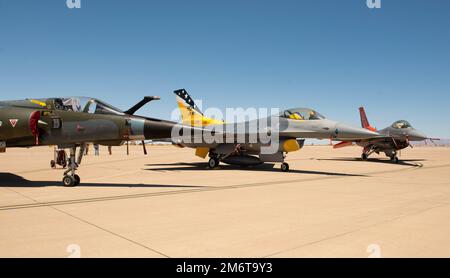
(367, 152)
(243, 161)
(394, 159)
(70, 177)
(213, 162)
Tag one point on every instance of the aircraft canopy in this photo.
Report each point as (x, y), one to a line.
(401, 124)
(302, 114)
(85, 105)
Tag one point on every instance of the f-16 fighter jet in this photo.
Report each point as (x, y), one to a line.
(396, 137)
(266, 139)
(71, 123)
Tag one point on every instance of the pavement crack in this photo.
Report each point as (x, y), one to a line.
(111, 232)
(96, 226)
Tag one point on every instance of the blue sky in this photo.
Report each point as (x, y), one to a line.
(329, 55)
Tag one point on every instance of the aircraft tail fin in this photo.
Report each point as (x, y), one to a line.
(190, 114)
(364, 121)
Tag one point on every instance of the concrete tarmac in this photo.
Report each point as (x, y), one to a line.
(168, 204)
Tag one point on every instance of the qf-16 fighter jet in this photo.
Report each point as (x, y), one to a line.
(291, 127)
(71, 123)
(393, 138)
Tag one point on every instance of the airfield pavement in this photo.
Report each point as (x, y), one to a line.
(168, 204)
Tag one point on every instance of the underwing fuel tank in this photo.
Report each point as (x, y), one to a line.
(242, 160)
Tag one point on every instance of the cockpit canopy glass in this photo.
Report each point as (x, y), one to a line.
(401, 124)
(302, 114)
(85, 105)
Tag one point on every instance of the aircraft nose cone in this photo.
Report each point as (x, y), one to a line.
(346, 132)
(418, 136)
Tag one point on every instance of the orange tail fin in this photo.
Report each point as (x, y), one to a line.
(364, 121)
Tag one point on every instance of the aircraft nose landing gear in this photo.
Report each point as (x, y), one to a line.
(394, 158)
(69, 180)
(70, 177)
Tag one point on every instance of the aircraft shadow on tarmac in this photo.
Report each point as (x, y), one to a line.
(12, 180)
(402, 162)
(181, 166)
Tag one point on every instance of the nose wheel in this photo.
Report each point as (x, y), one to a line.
(394, 159)
(70, 177)
(285, 167)
(71, 180)
(393, 156)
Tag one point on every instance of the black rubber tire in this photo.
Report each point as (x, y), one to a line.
(213, 163)
(394, 159)
(364, 156)
(69, 181)
(285, 167)
(77, 180)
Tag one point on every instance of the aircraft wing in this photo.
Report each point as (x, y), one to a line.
(373, 140)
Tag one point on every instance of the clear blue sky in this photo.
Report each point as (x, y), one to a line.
(329, 55)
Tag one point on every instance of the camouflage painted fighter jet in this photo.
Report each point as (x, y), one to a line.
(291, 126)
(73, 122)
(396, 137)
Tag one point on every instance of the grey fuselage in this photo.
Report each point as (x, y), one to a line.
(255, 133)
(395, 138)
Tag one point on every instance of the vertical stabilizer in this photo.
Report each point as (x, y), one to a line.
(364, 121)
(190, 113)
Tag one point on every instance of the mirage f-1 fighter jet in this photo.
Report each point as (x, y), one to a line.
(290, 128)
(396, 137)
(73, 122)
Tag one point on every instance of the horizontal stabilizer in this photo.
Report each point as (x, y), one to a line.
(342, 145)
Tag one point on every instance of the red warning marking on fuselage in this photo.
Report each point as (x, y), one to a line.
(13, 122)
